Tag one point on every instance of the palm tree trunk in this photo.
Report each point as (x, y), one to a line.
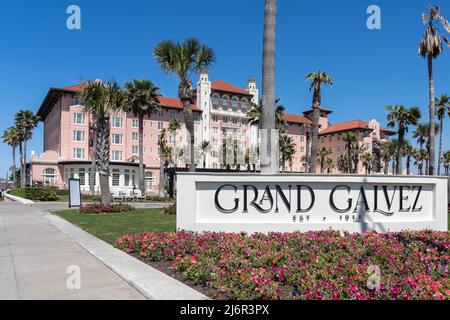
(386, 166)
(189, 121)
(161, 192)
(141, 155)
(14, 166)
(24, 176)
(431, 170)
(401, 138)
(314, 139)
(21, 162)
(408, 165)
(268, 85)
(103, 158)
(93, 176)
(393, 165)
(308, 149)
(440, 147)
(175, 149)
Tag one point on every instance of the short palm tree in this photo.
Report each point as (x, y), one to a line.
(329, 165)
(162, 145)
(323, 155)
(431, 47)
(387, 152)
(367, 160)
(205, 148)
(402, 117)
(255, 112)
(446, 161)
(357, 151)
(11, 136)
(287, 150)
(421, 134)
(141, 99)
(100, 100)
(26, 121)
(442, 110)
(317, 80)
(174, 126)
(343, 163)
(184, 59)
(408, 152)
(349, 139)
(420, 157)
(305, 162)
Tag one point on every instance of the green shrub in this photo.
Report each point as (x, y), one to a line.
(38, 193)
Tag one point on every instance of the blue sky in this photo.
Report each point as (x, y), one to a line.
(371, 69)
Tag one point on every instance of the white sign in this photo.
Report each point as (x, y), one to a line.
(74, 193)
(286, 203)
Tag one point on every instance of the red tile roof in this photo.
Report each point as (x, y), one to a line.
(294, 118)
(346, 126)
(174, 103)
(388, 132)
(321, 109)
(223, 86)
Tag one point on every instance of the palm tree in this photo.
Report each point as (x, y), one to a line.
(184, 59)
(255, 112)
(317, 79)
(329, 165)
(173, 127)
(367, 161)
(349, 139)
(287, 150)
(100, 100)
(408, 151)
(323, 155)
(205, 147)
(141, 98)
(421, 134)
(268, 119)
(446, 161)
(402, 117)
(420, 156)
(305, 161)
(343, 163)
(356, 150)
(162, 144)
(11, 136)
(442, 110)
(387, 152)
(430, 47)
(26, 121)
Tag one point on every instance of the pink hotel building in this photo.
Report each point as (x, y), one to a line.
(220, 111)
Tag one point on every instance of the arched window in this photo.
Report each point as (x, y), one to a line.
(225, 103)
(234, 105)
(244, 106)
(49, 176)
(215, 102)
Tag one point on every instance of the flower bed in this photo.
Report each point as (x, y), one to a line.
(100, 208)
(314, 265)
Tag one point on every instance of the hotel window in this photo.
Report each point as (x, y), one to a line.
(49, 176)
(82, 176)
(215, 130)
(127, 178)
(78, 153)
(302, 149)
(160, 125)
(117, 138)
(116, 177)
(79, 118)
(172, 115)
(149, 179)
(117, 122)
(339, 137)
(215, 142)
(135, 149)
(160, 114)
(78, 136)
(302, 138)
(225, 104)
(224, 119)
(135, 136)
(215, 103)
(330, 138)
(234, 105)
(235, 121)
(117, 155)
(76, 101)
(135, 123)
(215, 118)
(244, 106)
(322, 140)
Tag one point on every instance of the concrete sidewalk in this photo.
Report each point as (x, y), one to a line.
(35, 257)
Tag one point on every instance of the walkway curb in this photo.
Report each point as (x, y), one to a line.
(18, 199)
(151, 283)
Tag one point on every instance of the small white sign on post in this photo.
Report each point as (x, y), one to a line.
(287, 203)
(74, 193)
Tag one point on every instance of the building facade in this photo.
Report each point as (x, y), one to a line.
(220, 112)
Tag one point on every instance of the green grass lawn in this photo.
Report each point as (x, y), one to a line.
(111, 226)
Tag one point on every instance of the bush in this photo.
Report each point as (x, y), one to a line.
(100, 208)
(172, 209)
(37, 194)
(315, 265)
(154, 198)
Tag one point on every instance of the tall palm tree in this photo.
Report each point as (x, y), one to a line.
(367, 161)
(442, 110)
(268, 121)
(408, 151)
(100, 100)
(174, 126)
(446, 161)
(162, 144)
(141, 99)
(430, 47)
(329, 165)
(349, 139)
(205, 148)
(421, 134)
(184, 59)
(11, 136)
(323, 155)
(317, 80)
(387, 152)
(26, 121)
(402, 117)
(420, 157)
(287, 150)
